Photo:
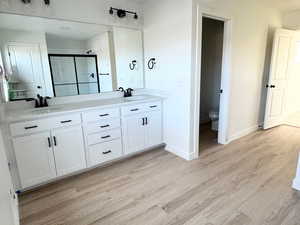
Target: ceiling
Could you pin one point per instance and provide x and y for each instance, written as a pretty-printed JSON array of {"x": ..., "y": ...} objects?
[
  {"x": 64, "y": 29},
  {"x": 284, "y": 5}
]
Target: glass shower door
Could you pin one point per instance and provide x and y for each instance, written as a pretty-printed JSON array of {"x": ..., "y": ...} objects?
[
  {"x": 88, "y": 80},
  {"x": 63, "y": 75}
]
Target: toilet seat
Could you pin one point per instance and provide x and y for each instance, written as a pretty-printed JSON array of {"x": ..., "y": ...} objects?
[{"x": 214, "y": 115}]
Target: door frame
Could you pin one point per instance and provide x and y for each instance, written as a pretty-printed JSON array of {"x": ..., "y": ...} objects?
[{"x": 224, "y": 113}]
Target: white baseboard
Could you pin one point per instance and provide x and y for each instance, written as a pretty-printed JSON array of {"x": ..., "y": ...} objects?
[
  {"x": 296, "y": 184},
  {"x": 242, "y": 133},
  {"x": 185, "y": 155}
]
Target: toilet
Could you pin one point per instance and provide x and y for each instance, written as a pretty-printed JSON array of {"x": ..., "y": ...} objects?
[{"x": 214, "y": 117}]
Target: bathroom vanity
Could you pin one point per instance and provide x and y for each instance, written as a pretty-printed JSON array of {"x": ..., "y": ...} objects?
[{"x": 50, "y": 143}]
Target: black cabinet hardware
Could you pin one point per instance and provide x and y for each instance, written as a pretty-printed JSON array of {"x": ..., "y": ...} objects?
[
  {"x": 49, "y": 142},
  {"x": 55, "y": 142},
  {"x": 221, "y": 91},
  {"x": 32, "y": 127},
  {"x": 143, "y": 122},
  {"x": 105, "y": 153},
  {"x": 105, "y": 126},
  {"x": 134, "y": 110},
  {"x": 66, "y": 121},
  {"x": 153, "y": 106},
  {"x": 270, "y": 86},
  {"x": 104, "y": 137},
  {"x": 146, "y": 120},
  {"x": 102, "y": 115}
]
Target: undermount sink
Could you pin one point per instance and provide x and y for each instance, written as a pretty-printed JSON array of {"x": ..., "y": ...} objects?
[
  {"x": 136, "y": 98},
  {"x": 45, "y": 110}
]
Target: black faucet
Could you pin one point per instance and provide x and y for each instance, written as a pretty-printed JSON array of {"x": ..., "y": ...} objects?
[
  {"x": 41, "y": 101},
  {"x": 127, "y": 92}
]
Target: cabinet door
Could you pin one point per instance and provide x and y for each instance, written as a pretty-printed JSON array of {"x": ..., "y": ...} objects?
[
  {"x": 68, "y": 150},
  {"x": 153, "y": 129},
  {"x": 133, "y": 133},
  {"x": 35, "y": 160}
]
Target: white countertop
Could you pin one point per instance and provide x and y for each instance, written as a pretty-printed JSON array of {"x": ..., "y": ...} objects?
[{"x": 54, "y": 110}]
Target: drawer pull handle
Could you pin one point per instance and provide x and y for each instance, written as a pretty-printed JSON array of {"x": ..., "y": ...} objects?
[
  {"x": 134, "y": 110},
  {"x": 108, "y": 136},
  {"x": 32, "y": 127},
  {"x": 66, "y": 121},
  {"x": 102, "y": 115},
  {"x": 153, "y": 106},
  {"x": 105, "y": 153},
  {"x": 104, "y": 126}
]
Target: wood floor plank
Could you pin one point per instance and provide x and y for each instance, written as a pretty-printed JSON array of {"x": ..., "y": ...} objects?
[{"x": 244, "y": 183}]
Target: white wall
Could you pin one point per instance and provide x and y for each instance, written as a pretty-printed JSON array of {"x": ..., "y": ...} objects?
[
  {"x": 101, "y": 46},
  {"x": 291, "y": 20},
  {"x": 59, "y": 45},
  {"x": 211, "y": 64},
  {"x": 168, "y": 37},
  {"x": 93, "y": 11},
  {"x": 8, "y": 36}
]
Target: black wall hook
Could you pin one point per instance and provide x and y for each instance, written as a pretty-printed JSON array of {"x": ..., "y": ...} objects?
[
  {"x": 132, "y": 65},
  {"x": 151, "y": 63}
]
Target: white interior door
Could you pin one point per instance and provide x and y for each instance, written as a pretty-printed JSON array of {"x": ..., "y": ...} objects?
[
  {"x": 68, "y": 150},
  {"x": 278, "y": 80},
  {"x": 26, "y": 67}
]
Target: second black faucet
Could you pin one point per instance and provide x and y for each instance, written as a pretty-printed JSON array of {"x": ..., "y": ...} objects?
[{"x": 127, "y": 92}]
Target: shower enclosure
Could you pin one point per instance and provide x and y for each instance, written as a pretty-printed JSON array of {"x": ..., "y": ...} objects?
[{"x": 74, "y": 74}]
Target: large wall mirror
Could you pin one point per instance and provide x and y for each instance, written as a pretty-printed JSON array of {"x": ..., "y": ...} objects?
[{"x": 61, "y": 58}]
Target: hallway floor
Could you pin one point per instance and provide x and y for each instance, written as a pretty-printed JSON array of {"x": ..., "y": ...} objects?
[{"x": 247, "y": 182}]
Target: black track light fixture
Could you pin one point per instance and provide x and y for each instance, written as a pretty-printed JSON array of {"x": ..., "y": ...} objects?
[
  {"x": 26, "y": 1},
  {"x": 121, "y": 13}
]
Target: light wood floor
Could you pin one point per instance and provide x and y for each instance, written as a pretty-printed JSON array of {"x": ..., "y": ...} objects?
[{"x": 246, "y": 182}]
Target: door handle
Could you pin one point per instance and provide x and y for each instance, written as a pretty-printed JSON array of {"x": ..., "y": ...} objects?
[
  {"x": 146, "y": 120},
  {"x": 272, "y": 86},
  {"x": 143, "y": 122},
  {"x": 104, "y": 126}
]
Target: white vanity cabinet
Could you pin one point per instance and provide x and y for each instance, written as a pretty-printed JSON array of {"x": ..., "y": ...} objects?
[
  {"x": 68, "y": 149},
  {"x": 35, "y": 159},
  {"x": 54, "y": 147},
  {"x": 49, "y": 148},
  {"x": 103, "y": 135},
  {"x": 142, "y": 126}
]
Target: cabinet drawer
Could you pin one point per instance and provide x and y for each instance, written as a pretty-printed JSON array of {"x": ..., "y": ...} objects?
[
  {"x": 153, "y": 106},
  {"x": 104, "y": 136},
  {"x": 29, "y": 127},
  {"x": 134, "y": 109},
  {"x": 104, "y": 152},
  {"x": 100, "y": 114},
  {"x": 66, "y": 120},
  {"x": 145, "y": 107},
  {"x": 102, "y": 125}
]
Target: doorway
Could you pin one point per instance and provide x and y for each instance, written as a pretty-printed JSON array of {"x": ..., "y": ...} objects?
[{"x": 211, "y": 76}]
